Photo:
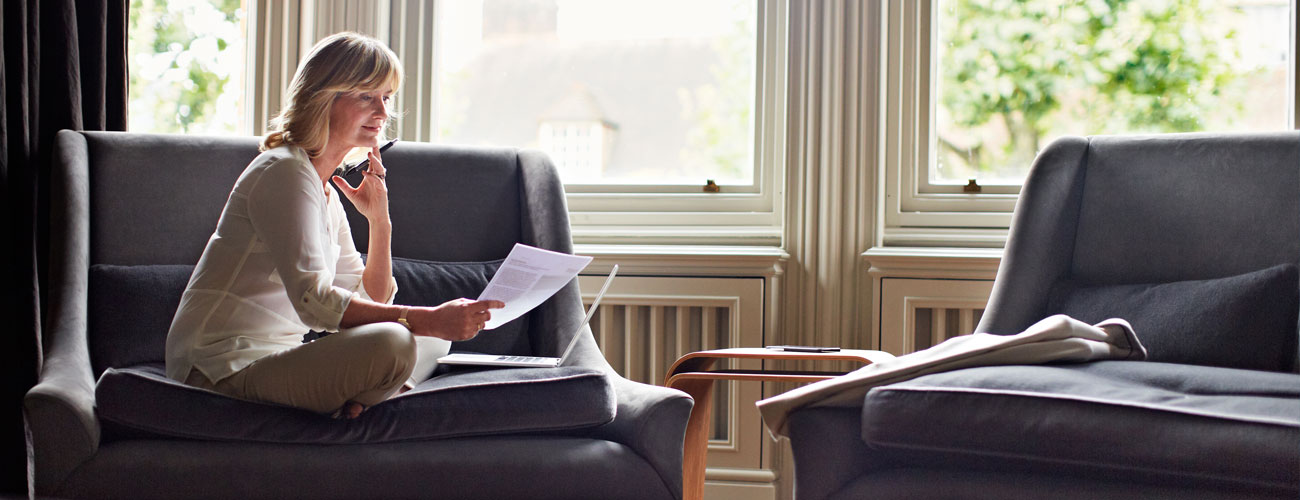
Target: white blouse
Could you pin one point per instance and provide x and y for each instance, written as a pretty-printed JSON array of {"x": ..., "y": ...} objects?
[{"x": 280, "y": 263}]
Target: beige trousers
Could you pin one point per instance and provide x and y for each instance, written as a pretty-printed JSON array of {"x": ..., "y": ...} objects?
[{"x": 365, "y": 364}]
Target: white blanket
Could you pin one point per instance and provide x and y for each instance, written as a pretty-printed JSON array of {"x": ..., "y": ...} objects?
[{"x": 1055, "y": 339}]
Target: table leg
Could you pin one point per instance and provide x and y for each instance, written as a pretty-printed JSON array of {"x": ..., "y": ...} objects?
[{"x": 696, "y": 445}]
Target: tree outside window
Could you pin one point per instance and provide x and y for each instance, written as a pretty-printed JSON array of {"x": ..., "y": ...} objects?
[
  {"x": 186, "y": 65},
  {"x": 1015, "y": 74}
]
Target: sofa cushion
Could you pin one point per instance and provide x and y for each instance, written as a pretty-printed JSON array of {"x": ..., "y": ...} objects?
[
  {"x": 1245, "y": 321},
  {"x": 1142, "y": 417},
  {"x": 131, "y": 307},
  {"x": 130, "y": 311},
  {"x": 142, "y": 401},
  {"x": 425, "y": 283}
]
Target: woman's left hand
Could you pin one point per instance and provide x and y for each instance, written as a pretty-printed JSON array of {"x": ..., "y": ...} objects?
[{"x": 371, "y": 196}]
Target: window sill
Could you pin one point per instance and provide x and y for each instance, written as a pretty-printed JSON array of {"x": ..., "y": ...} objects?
[
  {"x": 738, "y": 236},
  {"x": 685, "y": 260},
  {"x": 969, "y": 238},
  {"x": 933, "y": 262}
]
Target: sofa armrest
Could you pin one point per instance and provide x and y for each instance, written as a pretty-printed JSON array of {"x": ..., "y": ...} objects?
[
  {"x": 1040, "y": 247},
  {"x": 60, "y": 409},
  {"x": 60, "y": 415},
  {"x": 652, "y": 421},
  {"x": 829, "y": 453}
]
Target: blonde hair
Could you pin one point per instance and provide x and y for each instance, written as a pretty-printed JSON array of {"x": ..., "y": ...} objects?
[{"x": 339, "y": 63}]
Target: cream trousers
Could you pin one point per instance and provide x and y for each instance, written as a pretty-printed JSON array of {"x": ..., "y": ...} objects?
[{"x": 365, "y": 364}]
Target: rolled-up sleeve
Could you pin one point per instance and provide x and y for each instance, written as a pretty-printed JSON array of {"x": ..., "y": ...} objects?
[{"x": 286, "y": 208}]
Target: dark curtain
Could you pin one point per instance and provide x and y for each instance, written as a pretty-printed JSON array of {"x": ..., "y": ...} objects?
[{"x": 64, "y": 68}]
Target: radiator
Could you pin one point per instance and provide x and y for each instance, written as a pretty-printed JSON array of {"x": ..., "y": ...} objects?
[
  {"x": 644, "y": 324},
  {"x": 641, "y": 342},
  {"x": 918, "y": 313},
  {"x": 933, "y": 325}
]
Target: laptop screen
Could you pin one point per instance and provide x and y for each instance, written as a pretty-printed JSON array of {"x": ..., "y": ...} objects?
[{"x": 591, "y": 311}]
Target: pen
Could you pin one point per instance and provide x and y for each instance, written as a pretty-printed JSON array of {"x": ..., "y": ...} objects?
[
  {"x": 361, "y": 166},
  {"x": 802, "y": 348}
]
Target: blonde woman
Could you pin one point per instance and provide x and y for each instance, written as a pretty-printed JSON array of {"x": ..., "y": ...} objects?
[{"x": 282, "y": 262}]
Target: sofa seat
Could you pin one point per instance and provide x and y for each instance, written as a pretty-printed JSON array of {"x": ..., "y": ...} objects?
[
  {"x": 516, "y": 466},
  {"x": 1107, "y": 429},
  {"x": 458, "y": 403},
  {"x": 1126, "y": 417},
  {"x": 982, "y": 484}
]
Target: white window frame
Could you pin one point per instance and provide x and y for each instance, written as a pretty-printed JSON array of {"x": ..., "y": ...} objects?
[
  {"x": 618, "y": 213},
  {"x": 281, "y": 31},
  {"x": 916, "y": 211}
]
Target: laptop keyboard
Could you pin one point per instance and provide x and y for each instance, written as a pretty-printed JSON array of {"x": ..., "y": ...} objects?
[{"x": 521, "y": 359}]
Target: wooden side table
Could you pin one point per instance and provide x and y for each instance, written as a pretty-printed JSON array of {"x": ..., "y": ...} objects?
[{"x": 694, "y": 375}]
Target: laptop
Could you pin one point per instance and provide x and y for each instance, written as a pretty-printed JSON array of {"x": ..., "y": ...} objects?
[{"x": 531, "y": 361}]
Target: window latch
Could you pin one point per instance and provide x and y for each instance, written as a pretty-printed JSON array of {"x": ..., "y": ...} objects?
[
  {"x": 711, "y": 187},
  {"x": 972, "y": 187}
]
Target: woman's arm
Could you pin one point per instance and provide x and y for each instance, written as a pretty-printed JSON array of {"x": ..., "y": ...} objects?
[
  {"x": 459, "y": 319},
  {"x": 378, "y": 275},
  {"x": 371, "y": 199}
]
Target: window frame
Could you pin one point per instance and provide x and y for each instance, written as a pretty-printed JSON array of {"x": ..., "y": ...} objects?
[
  {"x": 918, "y": 212},
  {"x": 647, "y": 213},
  {"x": 281, "y": 31}
]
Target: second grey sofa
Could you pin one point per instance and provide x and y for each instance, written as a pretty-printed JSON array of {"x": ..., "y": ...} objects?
[{"x": 1192, "y": 238}]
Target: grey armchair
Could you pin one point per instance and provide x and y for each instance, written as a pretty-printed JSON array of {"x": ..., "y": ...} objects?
[
  {"x": 134, "y": 212},
  {"x": 1194, "y": 239}
]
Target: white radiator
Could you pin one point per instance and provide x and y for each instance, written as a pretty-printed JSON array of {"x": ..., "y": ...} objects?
[
  {"x": 933, "y": 325},
  {"x": 645, "y": 323},
  {"x": 918, "y": 313}
]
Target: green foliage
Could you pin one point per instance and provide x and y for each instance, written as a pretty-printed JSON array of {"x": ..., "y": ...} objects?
[
  {"x": 721, "y": 113},
  {"x": 1128, "y": 65},
  {"x": 183, "y": 58}
]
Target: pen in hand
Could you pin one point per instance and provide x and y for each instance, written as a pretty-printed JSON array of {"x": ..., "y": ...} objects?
[{"x": 364, "y": 163}]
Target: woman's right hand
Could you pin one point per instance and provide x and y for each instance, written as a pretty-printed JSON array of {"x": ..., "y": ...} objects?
[{"x": 458, "y": 319}]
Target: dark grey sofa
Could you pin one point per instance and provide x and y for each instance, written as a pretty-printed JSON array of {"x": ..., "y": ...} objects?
[
  {"x": 1193, "y": 238},
  {"x": 133, "y": 214}
]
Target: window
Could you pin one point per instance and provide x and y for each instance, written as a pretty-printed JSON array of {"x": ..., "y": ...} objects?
[
  {"x": 988, "y": 83},
  {"x": 186, "y": 65},
  {"x": 638, "y": 102},
  {"x": 678, "y": 87}
]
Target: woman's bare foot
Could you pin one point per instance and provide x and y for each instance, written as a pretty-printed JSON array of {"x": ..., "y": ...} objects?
[{"x": 350, "y": 410}]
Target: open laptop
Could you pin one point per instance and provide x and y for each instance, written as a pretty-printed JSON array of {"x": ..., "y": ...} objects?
[{"x": 531, "y": 361}]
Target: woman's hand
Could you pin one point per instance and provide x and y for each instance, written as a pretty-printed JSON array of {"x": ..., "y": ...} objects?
[
  {"x": 371, "y": 196},
  {"x": 458, "y": 319}
]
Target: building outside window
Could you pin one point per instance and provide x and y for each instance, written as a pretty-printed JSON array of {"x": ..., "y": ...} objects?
[{"x": 679, "y": 89}]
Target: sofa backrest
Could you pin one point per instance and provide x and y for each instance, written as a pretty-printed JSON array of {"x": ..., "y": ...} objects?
[
  {"x": 154, "y": 201},
  {"x": 1187, "y": 207},
  {"x": 1182, "y": 234}
]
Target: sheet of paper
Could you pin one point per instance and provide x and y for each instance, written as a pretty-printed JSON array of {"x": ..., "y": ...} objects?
[{"x": 527, "y": 278}]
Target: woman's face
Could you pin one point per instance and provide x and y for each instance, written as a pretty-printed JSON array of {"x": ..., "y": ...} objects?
[{"x": 358, "y": 117}]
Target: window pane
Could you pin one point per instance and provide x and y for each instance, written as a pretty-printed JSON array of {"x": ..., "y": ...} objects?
[
  {"x": 186, "y": 61},
  {"x": 616, "y": 91},
  {"x": 1014, "y": 75}
]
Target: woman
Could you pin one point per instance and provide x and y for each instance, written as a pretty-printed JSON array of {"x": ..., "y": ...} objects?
[{"x": 282, "y": 262}]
